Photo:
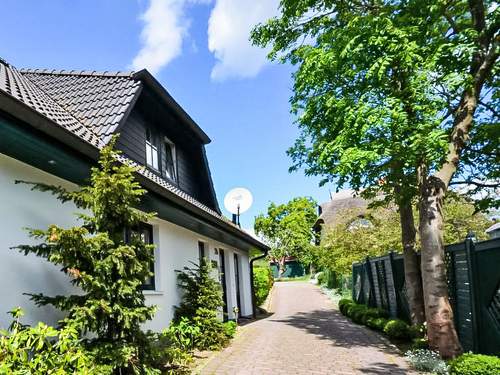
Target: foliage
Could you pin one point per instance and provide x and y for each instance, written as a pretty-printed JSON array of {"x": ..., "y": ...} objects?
[
  {"x": 184, "y": 334},
  {"x": 376, "y": 86},
  {"x": 461, "y": 218},
  {"x": 344, "y": 303},
  {"x": 397, "y": 329},
  {"x": 108, "y": 270},
  {"x": 262, "y": 282},
  {"x": 167, "y": 354},
  {"x": 427, "y": 361},
  {"x": 44, "y": 350},
  {"x": 201, "y": 304},
  {"x": 474, "y": 364},
  {"x": 287, "y": 228},
  {"x": 230, "y": 328},
  {"x": 341, "y": 246},
  {"x": 377, "y": 323},
  {"x": 420, "y": 343}
]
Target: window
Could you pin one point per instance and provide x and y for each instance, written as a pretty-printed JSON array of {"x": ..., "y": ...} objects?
[
  {"x": 201, "y": 250},
  {"x": 145, "y": 233},
  {"x": 151, "y": 151},
  {"x": 170, "y": 160}
]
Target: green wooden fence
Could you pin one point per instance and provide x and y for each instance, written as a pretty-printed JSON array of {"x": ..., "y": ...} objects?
[{"x": 473, "y": 273}]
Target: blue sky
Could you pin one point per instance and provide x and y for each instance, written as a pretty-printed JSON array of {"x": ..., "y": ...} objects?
[{"x": 199, "y": 50}]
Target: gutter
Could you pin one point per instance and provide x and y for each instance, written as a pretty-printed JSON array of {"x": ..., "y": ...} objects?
[{"x": 254, "y": 308}]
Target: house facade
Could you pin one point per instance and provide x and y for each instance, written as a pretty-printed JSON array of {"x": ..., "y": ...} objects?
[{"x": 52, "y": 126}]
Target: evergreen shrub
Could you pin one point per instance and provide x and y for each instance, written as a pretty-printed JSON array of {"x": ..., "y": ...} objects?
[{"x": 397, "y": 329}]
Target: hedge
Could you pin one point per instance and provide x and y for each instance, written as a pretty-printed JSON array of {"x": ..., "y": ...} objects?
[{"x": 263, "y": 282}]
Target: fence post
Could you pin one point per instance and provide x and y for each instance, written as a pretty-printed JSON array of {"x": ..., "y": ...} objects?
[
  {"x": 391, "y": 262},
  {"x": 368, "y": 270},
  {"x": 471, "y": 268}
]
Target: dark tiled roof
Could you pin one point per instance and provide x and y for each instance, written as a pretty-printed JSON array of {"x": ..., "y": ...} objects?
[
  {"x": 98, "y": 99},
  {"x": 16, "y": 85},
  {"x": 87, "y": 103}
]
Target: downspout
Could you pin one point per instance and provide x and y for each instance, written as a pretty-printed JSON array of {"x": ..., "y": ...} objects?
[{"x": 254, "y": 308}]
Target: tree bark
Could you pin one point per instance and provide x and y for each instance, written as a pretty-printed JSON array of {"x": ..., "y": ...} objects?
[
  {"x": 281, "y": 267},
  {"x": 413, "y": 280},
  {"x": 440, "y": 325}
]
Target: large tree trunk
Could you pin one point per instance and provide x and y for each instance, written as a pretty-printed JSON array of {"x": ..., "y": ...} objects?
[
  {"x": 413, "y": 279},
  {"x": 440, "y": 328},
  {"x": 440, "y": 325}
]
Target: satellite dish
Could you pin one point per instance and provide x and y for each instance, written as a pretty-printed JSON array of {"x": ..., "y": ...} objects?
[{"x": 238, "y": 200}]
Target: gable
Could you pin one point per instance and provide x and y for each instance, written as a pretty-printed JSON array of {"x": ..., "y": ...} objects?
[{"x": 172, "y": 142}]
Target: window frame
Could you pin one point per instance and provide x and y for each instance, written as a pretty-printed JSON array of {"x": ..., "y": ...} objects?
[
  {"x": 173, "y": 155},
  {"x": 150, "y": 149}
]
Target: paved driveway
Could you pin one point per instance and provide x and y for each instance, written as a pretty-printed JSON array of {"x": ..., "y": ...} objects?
[{"x": 306, "y": 335}]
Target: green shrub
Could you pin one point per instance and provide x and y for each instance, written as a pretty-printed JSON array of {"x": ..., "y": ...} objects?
[
  {"x": 344, "y": 303},
  {"x": 474, "y": 364},
  {"x": 185, "y": 334},
  {"x": 263, "y": 282},
  {"x": 358, "y": 314},
  {"x": 43, "y": 349},
  {"x": 420, "y": 343},
  {"x": 230, "y": 329},
  {"x": 376, "y": 323},
  {"x": 397, "y": 329},
  {"x": 372, "y": 313},
  {"x": 321, "y": 276},
  {"x": 164, "y": 353}
]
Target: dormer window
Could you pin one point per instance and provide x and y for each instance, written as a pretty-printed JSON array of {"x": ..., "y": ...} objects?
[
  {"x": 170, "y": 160},
  {"x": 151, "y": 151}
]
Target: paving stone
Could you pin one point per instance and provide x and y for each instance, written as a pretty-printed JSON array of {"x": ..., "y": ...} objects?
[{"x": 306, "y": 335}]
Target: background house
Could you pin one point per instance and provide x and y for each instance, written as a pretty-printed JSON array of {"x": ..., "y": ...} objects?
[{"x": 52, "y": 126}]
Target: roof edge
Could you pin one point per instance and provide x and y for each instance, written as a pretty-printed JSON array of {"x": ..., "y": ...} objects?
[
  {"x": 86, "y": 73},
  {"x": 148, "y": 79}
]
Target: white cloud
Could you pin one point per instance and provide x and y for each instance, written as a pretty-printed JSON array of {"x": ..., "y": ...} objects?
[
  {"x": 164, "y": 29},
  {"x": 228, "y": 32}
]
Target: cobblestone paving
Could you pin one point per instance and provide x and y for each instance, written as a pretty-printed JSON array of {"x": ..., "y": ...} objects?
[{"x": 306, "y": 335}]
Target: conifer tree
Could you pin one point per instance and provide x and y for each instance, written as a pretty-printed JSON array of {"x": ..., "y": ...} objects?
[{"x": 108, "y": 269}]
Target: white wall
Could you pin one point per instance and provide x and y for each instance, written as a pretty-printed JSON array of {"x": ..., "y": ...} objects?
[{"x": 20, "y": 207}]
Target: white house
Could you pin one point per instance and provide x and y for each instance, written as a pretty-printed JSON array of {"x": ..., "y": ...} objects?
[{"x": 52, "y": 125}]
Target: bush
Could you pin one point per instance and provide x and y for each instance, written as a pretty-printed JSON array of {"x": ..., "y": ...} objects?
[
  {"x": 321, "y": 277},
  {"x": 184, "y": 334},
  {"x": 474, "y": 364},
  {"x": 357, "y": 312},
  {"x": 230, "y": 329},
  {"x": 200, "y": 305},
  {"x": 427, "y": 361},
  {"x": 44, "y": 350},
  {"x": 262, "y": 282},
  {"x": 397, "y": 329},
  {"x": 166, "y": 354},
  {"x": 376, "y": 323},
  {"x": 344, "y": 303},
  {"x": 420, "y": 343},
  {"x": 372, "y": 313}
]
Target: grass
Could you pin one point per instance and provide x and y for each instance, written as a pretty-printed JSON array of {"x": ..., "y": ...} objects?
[{"x": 301, "y": 278}]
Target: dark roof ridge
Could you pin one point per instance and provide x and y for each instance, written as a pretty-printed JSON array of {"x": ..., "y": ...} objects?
[{"x": 85, "y": 73}]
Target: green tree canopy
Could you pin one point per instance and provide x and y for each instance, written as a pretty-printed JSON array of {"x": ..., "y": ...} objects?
[{"x": 287, "y": 228}]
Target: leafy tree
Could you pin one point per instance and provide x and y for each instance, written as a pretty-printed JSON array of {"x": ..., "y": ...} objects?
[
  {"x": 108, "y": 270},
  {"x": 287, "y": 228},
  {"x": 386, "y": 94},
  {"x": 348, "y": 242}
]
